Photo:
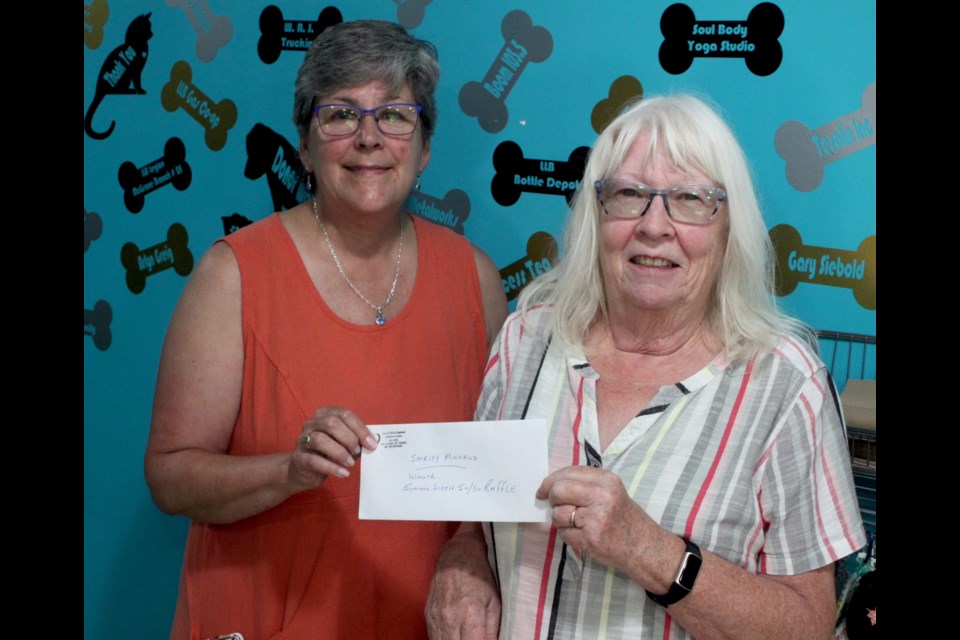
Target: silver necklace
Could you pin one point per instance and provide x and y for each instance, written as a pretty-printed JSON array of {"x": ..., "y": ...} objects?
[{"x": 379, "y": 318}]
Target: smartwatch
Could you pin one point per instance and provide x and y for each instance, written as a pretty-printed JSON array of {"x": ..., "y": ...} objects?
[{"x": 686, "y": 576}]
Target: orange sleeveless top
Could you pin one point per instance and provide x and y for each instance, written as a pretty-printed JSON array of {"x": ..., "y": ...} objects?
[{"x": 309, "y": 568}]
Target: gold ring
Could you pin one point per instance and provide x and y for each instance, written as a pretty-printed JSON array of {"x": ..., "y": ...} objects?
[
  {"x": 573, "y": 518},
  {"x": 305, "y": 439}
]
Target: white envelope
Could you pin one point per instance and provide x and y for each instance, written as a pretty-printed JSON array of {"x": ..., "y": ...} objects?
[{"x": 456, "y": 471}]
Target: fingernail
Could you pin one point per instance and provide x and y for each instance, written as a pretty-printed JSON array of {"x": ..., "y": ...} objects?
[
  {"x": 371, "y": 442},
  {"x": 356, "y": 450},
  {"x": 343, "y": 473},
  {"x": 350, "y": 462}
]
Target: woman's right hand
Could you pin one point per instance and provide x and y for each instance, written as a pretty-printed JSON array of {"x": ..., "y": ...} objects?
[
  {"x": 463, "y": 603},
  {"x": 328, "y": 445}
]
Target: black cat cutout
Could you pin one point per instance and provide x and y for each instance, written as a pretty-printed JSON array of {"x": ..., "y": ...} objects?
[{"x": 121, "y": 71}]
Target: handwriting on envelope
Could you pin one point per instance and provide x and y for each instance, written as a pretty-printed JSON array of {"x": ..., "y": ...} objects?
[{"x": 457, "y": 471}]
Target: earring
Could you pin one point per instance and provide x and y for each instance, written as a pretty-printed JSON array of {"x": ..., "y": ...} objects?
[
  {"x": 418, "y": 182},
  {"x": 309, "y": 183}
]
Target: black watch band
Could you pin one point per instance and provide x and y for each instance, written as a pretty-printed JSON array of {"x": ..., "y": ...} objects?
[{"x": 686, "y": 576}]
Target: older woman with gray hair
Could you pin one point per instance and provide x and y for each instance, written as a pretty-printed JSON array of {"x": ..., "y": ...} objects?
[
  {"x": 700, "y": 484},
  {"x": 293, "y": 335}
]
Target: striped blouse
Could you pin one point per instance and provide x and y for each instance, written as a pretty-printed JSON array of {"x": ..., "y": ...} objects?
[{"x": 747, "y": 459}]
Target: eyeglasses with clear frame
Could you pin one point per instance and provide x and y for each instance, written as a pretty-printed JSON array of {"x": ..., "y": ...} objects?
[
  {"x": 686, "y": 203},
  {"x": 397, "y": 119}
]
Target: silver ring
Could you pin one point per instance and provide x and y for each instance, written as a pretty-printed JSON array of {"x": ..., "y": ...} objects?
[
  {"x": 573, "y": 518},
  {"x": 305, "y": 439}
]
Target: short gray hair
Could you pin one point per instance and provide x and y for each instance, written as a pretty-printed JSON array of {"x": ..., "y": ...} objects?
[
  {"x": 354, "y": 53},
  {"x": 743, "y": 310}
]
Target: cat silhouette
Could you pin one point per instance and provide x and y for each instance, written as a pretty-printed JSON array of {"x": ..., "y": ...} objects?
[{"x": 120, "y": 72}]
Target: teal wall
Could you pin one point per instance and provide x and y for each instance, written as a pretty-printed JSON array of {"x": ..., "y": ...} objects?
[{"x": 158, "y": 188}]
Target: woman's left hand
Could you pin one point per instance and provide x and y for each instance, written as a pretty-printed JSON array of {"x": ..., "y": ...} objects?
[{"x": 596, "y": 516}]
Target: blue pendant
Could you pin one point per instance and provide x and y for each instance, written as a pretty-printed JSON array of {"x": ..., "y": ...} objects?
[{"x": 380, "y": 319}]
